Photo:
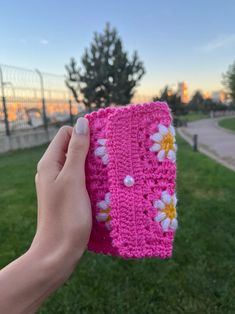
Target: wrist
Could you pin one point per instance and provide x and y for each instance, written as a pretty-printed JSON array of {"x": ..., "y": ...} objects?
[
  {"x": 56, "y": 260},
  {"x": 29, "y": 280}
]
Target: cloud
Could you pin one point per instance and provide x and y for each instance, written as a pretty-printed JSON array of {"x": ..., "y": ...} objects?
[
  {"x": 221, "y": 41},
  {"x": 44, "y": 42}
]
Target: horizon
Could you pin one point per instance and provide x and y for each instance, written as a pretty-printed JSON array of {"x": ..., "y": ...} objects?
[{"x": 177, "y": 43}]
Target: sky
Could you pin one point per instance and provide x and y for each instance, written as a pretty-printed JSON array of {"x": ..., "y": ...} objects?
[{"x": 192, "y": 41}]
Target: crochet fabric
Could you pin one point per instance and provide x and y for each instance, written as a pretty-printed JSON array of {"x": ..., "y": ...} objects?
[{"x": 131, "y": 173}]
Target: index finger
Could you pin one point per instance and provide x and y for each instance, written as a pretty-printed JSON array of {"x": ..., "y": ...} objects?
[{"x": 55, "y": 155}]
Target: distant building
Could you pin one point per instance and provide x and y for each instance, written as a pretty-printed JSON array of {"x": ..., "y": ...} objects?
[
  {"x": 183, "y": 92},
  {"x": 218, "y": 96},
  {"x": 170, "y": 91},
  {"x": 206, "y": 94}
]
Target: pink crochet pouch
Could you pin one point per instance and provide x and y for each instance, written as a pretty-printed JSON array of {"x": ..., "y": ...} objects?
[{"x": 131, "y": 172}]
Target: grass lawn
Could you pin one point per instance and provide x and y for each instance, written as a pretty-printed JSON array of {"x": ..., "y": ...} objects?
[
  {"x": 200, "y": 278},
  {"x": 194, "y": 116},
  {"x": 228, "y": 124}
]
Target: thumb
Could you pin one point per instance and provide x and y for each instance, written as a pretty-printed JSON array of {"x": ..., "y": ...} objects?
[{"x": 77, "y": 149}]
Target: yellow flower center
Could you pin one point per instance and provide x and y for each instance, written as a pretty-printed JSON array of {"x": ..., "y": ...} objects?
[
  {"x": 106, "y": 211},
  {"x": 167, "y": 142},
  {"x": 170, "y": 210}
]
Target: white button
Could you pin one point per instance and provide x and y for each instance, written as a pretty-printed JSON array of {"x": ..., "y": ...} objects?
[{"x": 129, "y": 181}]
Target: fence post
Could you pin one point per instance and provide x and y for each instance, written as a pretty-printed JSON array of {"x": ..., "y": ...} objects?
[
  {"x": 70, "y": 112},
  {"x": 195, "y": 137},
  {"x": 4, "y": 104},
  {"x": 45, "y": 123}
]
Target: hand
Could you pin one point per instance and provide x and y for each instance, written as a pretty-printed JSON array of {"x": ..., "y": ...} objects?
[
  {"x": 64, "y": 213},
  {"x": 63, "y": 226}
]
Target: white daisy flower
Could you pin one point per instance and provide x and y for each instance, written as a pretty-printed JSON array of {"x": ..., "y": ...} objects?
[
  {"x": 103, "y": 215},
  {"x": 164, "y": 143},
  {"x": 101, "y": 151},
  {"x": 167, "y": 214}
]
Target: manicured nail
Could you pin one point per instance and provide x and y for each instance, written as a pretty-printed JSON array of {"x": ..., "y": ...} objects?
[{"x": 81, "y": 126}]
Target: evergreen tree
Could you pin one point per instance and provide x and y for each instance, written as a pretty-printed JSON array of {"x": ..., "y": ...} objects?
[
  {"x": 173, "y": 100},
  {"x": 229, "y": 80},
  {"x": 108, "y": 76},
  {"x": 196, "y": 103}
]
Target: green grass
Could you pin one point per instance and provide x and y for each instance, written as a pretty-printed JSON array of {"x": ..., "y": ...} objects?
[
  {"x": 194, "y": 116},
  {"x": 228, "y": 124},
  {"x": 200, "y": 278}
]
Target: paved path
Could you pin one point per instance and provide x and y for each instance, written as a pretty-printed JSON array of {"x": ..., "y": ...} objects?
[{"x": 213, "y": 141}]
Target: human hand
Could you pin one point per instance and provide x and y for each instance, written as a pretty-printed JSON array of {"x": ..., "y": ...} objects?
[
  {"x": 63, "y": 226},
  {"x": 64, "y": 212}
]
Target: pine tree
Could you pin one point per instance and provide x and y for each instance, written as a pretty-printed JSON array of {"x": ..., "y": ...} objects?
[
  {"x": 108, "y": 76},
  {"x": 229, "y": 80},
  {"x": 197, "y": 101},
  {"x": 172, "y": 99}
]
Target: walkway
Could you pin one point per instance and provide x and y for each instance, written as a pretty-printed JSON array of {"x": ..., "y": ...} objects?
[{"x": 213, "y": 141}]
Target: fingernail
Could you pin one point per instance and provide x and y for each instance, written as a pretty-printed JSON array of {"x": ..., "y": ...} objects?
[{"x": 81, "y": 126}]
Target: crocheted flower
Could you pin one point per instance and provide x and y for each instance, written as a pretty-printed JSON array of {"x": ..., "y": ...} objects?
[
  {"x": 164, "y": 143},
  {"x": 103, "y": 215},
  {"x": 166, "y": 211},
  {"x": 101, "y": 151}
]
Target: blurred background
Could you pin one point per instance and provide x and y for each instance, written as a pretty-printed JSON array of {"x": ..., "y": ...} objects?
[{"x": 59, "y": 61}]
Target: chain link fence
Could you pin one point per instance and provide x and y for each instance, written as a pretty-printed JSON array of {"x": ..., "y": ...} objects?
[{"x": 31, "y": 99}]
